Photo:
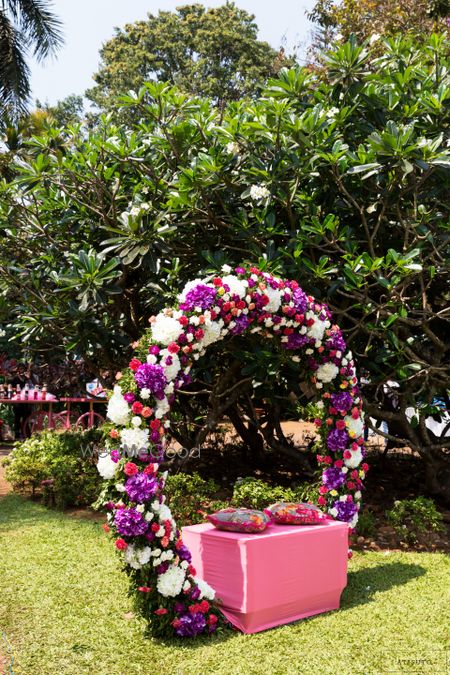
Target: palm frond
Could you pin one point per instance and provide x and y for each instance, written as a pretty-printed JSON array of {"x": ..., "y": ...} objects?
[
  {"x": 14, "y": 71},
  {"x": 38, "y": 23}
]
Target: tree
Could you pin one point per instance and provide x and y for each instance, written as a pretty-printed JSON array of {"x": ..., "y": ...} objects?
[
  {"x": 67, "y": 111},
  {"x": 213, "y": 52},
  {"x": 366, "y": 18},
  {"x": 340, "y": 183},
  {"x": 25, "y": 26}
]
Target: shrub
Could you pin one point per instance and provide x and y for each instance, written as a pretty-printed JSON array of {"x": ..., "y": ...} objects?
[
  {"x": 190, "y": 497},
  {"x": 62, "y": 465},
  {"x": 366, "y": 524},
  {"x": 256, "y": 494},
  {"x": 411, "y": 517}
]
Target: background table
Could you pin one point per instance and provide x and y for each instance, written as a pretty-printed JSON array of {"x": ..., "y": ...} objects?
[
  {"x": 39, "y": 418},
  {"x": 284, "y": 574}
]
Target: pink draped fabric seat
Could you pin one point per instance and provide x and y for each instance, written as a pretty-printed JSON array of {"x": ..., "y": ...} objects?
[{"x": 283, "y": 574}]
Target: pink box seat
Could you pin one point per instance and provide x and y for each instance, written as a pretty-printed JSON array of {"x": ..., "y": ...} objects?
[{"x": 264, "y": 580}]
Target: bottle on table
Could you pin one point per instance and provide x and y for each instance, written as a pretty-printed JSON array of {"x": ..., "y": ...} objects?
[
  {"x": 10, "y": 392},
  {"x": 44, "y": 392},
  {"x": 18, "y": 391},
  {"x": 26, "y": 392},
  {"x": 36, "y": 392},
  {"x": 2, "y": 391}
]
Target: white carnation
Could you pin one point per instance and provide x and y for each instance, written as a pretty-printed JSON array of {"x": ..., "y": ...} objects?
[
  {"x": 165, "y": 329},
  {"x": 327, "y": 372},
  {"x": 171, "y": 371},
  {"x": 170, "y": 584},
  {"x": 355, "y": 427},
  {"x": 274, "y": 296},
  {"x": 211, "y": 333},
  {"x": 145, "y": 393},
  {"x": 134, "y": 439},
  {"x": 355, "y": 460},
  {"x": 205, "y": 589},
  {"x": 137, "y": 557},
  {"x": 317, "y": 330},
  {"x": 106, "y": 467},
  {"x": 237, "y": 287},
  {"x": 118, "y": 409},
  {"x": 162, "y": 407}
]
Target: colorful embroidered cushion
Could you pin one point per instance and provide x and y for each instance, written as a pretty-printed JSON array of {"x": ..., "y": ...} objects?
[
  {"x": 288, "y": 513},
  {"x": 240, "y": 520}
]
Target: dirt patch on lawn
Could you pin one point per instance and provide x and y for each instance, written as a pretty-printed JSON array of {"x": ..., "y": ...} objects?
[{"x": 5, "y": 487}]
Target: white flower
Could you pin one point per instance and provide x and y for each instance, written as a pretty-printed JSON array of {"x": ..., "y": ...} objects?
[
  {"x": 320, "y": 405},
  {"x": 353, "y": 521},
  {"x": 162, "y": 407},
  {"x": 355, "y": 460},
  {"x": 140, "y": 508},
  {"x": 164, "y": 513},
  {"x": 149, "y": 516},
  {"x": 184, "y": 564},
  {"x": 106, "y": 467},
  {"x": 331, "y": 113},
  {"x": 211, "y": 333},
  {"x": 237, "y": 287},
  {"x": 137, "y": 557},
  {"x": 170, "y": 584},
  {"x": 161, "y": 532},
  {"x": 327, "y": 372},
  {"x": 333, "y": 512},
  {"x": 259, "y": 192},
  {"x": 118, "y": 409},
  {"x": 205, "y": 589},
  {"x": 165, "y": 329},
  {"x": 145, "y": 393},
  {"x": 186, "y": 585},
  {"x": 156, "y": 505},
  {"x": 232, "y": 148},
  {"x": 318, "y": 328},
  {"x": 358, "y": 495},
  {"x": 136, "y": 421},
  {"x": 355, "y": 427},
  {"x": 226, "y": 269},
  {"x": 134, "y": 439},
  {"x": 274, "y": 296},
  {"x": 171, "y": 371}
]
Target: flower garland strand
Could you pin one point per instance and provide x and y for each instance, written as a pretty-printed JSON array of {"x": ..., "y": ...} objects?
[{"x": 168, "y": 593}]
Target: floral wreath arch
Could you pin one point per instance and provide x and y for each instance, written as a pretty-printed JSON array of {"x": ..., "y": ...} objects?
[{"x": 167, "y": 591}]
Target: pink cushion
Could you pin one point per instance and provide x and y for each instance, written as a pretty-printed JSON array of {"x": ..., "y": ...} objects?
[
  {"x": 240, "y": 520},
  {"x": 289, "y": 513}
]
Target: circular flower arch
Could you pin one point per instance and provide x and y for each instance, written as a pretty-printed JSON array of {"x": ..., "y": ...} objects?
[{"x": 164, "y": 583}]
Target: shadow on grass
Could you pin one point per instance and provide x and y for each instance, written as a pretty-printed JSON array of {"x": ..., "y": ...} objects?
[{"x": 364, "y": 583}]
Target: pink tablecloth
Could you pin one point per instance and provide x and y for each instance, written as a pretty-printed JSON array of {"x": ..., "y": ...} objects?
[{"x": 284, "y": 574}]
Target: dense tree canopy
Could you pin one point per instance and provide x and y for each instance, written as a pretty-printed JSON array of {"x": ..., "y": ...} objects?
[
  {"x": 212, "y": 52},
  {"x": 341, "y": 183},
  {"x": 368, "y": 18},
  {"x": 26, "y": 26}
]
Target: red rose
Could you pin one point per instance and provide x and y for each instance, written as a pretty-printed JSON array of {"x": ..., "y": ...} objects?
[
  {"x": 176, "y": 623},
  {"x": 130, "y": 469},
  {"x": 147, "y": 411},
  {"x": 114, "y": 433},
  {"x": 217, "y": 281},
  {"x": 199, "y": 334},
  {"x": 204, "y": 606},
  {"x": 212, "y": 620},
  {"x": 155, "y": 527},
  {"x": 161, "y": 611},
  {"x": 121, "y": 544},
  {"x": 340, "y": 424},
  {"x": 137, "y": 407},
  {"x": 347, "y": 454},
  {"x": 150, "y": 469},
  {"x": 322, "y": 501},
  {"x": 183, "y": 320},
  {"x": 173, "y": 348},
  {"x": 154, "y": 425},
  {"x": 192, "y": 571},
  {"x": 144, "y": 589},
  {"x": 134, "y": 364},
  {"x": 106, "y": 527},
  {"x": 365, "y": 467}
]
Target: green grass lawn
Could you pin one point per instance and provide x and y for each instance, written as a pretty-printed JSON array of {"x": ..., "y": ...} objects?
[{"x": 64, "y": 610}]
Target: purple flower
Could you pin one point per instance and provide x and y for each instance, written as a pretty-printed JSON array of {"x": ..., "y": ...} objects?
[
  {"x": 141, "y": 487},
  {"x": 333, "y": 478},
  {"x": 241, "y": 325},
  {"x": 184, "y": 553},
  {"x": 337, "y": 342},
  {"x": 129, "y": 397},
  {"x": 346, "y": 510},
  {"x": 190, "y": 625},
  {"x": 337, "y": 439},
  {"x": 115, "y": 455},
  {"x": 295, "y": 341},
  {"x": 130, "y": 523},
  {"x": 195, "y": 593},
  {"x": 342, "y": 401},
  {"x": 239, "y": 270},
  {"x": 151, "y": 376},
  {"x": 154, "y": 349},
  {"x": 201, "y": 296},
  {"x": 162, "y": 569},
  {"x": 300, "y": 300},
  {"x": 179, "y": 607}
]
